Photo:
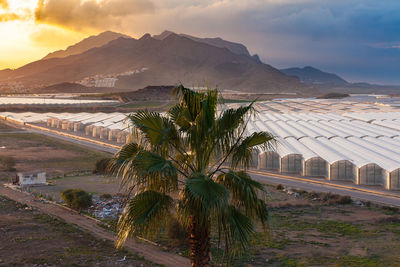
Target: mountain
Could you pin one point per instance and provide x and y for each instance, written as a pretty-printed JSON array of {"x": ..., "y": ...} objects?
[
  {"x": 235, "y": 48},
  {"x": 312, "y": 75},
  {"x": 137, "y": 63},
  {"x": 5, "y": 73},
  {"x": 161, "y": 92},
  {"x": 86, "y": 44}
]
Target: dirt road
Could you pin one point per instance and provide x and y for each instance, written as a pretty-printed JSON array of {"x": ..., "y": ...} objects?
[{"x": 150, "y": 252}]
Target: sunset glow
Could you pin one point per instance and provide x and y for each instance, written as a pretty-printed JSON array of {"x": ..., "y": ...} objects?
[
  {"x": 357, "y": 39},
  {"x": 24, "y": 40}
]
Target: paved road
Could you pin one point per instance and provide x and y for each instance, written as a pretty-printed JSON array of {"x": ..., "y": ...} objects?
[
  {"x": 356, "y": 192},
  {"x": 311, "y": 186}
]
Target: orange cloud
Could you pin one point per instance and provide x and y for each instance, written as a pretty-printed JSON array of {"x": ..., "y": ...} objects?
[
  {"x": 53, "y": 37},
  {"x": 89, "y": 14},
  {"x": 3, "y": 4},
  {"x": 9, "y": 17}
]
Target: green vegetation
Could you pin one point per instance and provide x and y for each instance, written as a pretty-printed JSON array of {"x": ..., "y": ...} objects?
[
  {"x": 183, "y": 154},
  {"x": 101, "y": 166},
  {"x": 328, "y": 198},
  {"x": 105, "y": 196},
  {"x": 77, "y": 199}
]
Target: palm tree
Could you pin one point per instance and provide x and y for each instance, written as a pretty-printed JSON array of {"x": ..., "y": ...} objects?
[{"x": 184, "y": 163}]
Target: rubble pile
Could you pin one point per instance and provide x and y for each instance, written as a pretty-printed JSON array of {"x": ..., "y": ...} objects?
[{"x": 106, "y": 208}]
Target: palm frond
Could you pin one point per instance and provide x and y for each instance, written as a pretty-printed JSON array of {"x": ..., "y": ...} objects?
[
  {"x": 236, "y": 228},
  {"x": 202, "y": 197},
  {"x": 154, "y": 172},
  {"x": 243, "y": 189},
  {"x": 180, "y": 116},
  {"x": 231, "y": 119},
  {"x": 121, "y": 161},
  {"x": 144, "y": 214},
  {"x": 246, "y": 194},
  {"x": 158, "y": 130},
  {"x": 242, "y": 154},
  {"x": 142, "y": 169}
]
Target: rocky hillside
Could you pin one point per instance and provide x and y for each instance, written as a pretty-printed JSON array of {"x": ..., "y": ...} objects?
[
  {"x": 312, "y": 75},
  {"x": 137, "y": 63}
]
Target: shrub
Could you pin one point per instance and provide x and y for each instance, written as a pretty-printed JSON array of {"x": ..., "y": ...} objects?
[
  {"x": 8, "y": 163},
  {"x": 101, "y": 166},
  {"x": 177, "y": 232},
  {"x": 105, "y": 196},
  {"x": 344, "y": 200},
  {"x": 333, "y": 199},
  {"x": 77, "y": 199},
  {"x": 279, "y": 187}
]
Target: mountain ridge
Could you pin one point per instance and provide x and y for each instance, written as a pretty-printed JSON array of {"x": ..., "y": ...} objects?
[
  {"x": 311, "y": 75},
  {"x": 235, "y": 48},
  {"x": 137, "y": 63},
  {"x": 87, "y": 44}
]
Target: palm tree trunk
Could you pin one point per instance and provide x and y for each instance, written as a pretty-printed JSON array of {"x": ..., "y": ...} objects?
[{"x": 200, "y": 244}]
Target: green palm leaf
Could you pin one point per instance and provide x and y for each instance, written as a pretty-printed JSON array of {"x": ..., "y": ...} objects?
[
  {"x": 238, "y": 227},
  {"x": 159, "y": 131},
  {"x": 154, "y": 172},
  {"x": 144, "y": 214},
  {"x": 242, "y": 154},
  {"x": 190, "y": 145},
  {"x": 203, "y": 197}
]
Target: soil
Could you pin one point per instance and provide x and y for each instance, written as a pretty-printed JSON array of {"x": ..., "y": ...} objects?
[
  {"x": 94, "y": 184},
  {"x": 313, "y": 233},
  {"x": 89, "y": 225},
  {"x": 34, "y": 152},
  {"x": 31, "y": 238}
]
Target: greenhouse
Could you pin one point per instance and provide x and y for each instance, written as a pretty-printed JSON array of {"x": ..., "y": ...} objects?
[{"x": 337, "y": 140}]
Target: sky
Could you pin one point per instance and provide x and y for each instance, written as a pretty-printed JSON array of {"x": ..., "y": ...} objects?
[{"x": 357, "y": 39}]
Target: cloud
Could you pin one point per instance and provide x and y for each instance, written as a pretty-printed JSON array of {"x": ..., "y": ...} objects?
[
  {"x": 3, "y": 4},
  {"x": 9, "y": 17},
  {"x": 358, "y": 39},
  {"x": 89, "y": 14},
  {"x": 334, "y": 35},
  {"x": 9, "y": 14},
  {"x": 53, "y": 37}
]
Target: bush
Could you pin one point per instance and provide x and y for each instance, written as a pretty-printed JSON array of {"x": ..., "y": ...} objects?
[
  {"x": 279, "y": 187},
  {"x": 8, "y": 163},
  {"x": 105, "y": 196},
  {"x": 177, "y": 232},
  {"x": 333, "y": 199},
  {"x": 344, "y": 200},
  {"x": 101, "y": 166},
  {"x": 77, "y": 199}
]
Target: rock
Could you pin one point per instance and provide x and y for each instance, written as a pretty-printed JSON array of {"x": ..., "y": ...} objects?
[{"x": 358, "y": 202}]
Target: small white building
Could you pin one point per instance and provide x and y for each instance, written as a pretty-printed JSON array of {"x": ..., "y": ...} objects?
[{"x": 24, "y": 179}]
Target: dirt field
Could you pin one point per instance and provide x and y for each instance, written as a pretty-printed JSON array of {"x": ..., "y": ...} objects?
[
  {"x": 314, "y": 233},
  {"x": 35, "y": 152},
  {"x": 304, "y": 231},
  {"x": 95, "y": 184},
  {"x": 31, "y": 238}
]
